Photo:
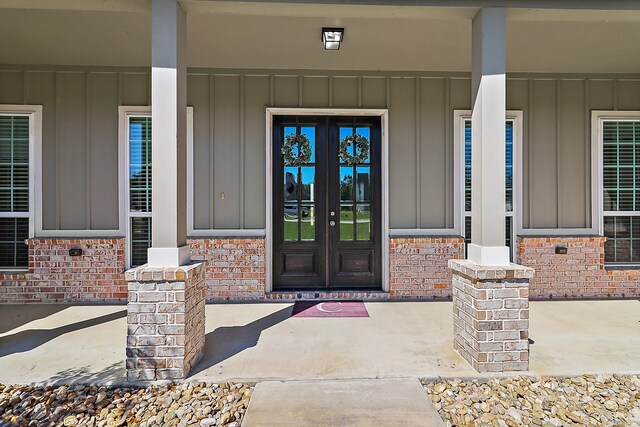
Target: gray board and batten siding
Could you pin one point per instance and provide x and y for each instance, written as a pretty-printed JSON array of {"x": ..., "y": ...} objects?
[{"x": 80, "y": 138}]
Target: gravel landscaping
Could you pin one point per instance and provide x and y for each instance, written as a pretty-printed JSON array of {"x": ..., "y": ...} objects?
[
  {"x": 191, "y": 404},
  {"x": 591, "y": 400}
]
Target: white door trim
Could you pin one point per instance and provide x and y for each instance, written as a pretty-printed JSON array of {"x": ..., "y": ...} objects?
[{"x": 384, "y": 176}]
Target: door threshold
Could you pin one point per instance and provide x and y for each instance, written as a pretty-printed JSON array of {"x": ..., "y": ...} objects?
[{"x": 369, "y": 294}]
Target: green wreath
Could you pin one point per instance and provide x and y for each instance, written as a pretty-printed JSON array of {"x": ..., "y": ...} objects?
[
  {"x": 304, "y": 150},
  {"x": 362, "y": 149}
]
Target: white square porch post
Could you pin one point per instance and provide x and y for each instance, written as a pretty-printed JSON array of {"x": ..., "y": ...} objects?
[
  {"x": 488, "y": 139},
  {"x": 165, "y": 313},
  {"x": 169, "y": 133},
  {"x": 490, "y": 295}
]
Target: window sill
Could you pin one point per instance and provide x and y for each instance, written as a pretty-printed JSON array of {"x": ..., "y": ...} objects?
[
  {"x": 622, "y": 267},
  {"x": 16, "y": 271}
]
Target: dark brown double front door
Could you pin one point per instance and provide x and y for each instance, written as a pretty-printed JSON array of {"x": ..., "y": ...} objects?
[{"x": 326, "y": 202}]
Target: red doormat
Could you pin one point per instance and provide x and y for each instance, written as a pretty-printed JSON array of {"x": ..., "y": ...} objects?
[{"x": 329, "y": 309}]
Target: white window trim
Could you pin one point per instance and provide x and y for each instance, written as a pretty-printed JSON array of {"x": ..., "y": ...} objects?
[
  {"x": 124, "y": 113},
  {"x": 597, "y": 170},
  {"x": 34, "y": 112},
  {"x": 384, "y": 177},
  {"x": 459, "y": 118}
]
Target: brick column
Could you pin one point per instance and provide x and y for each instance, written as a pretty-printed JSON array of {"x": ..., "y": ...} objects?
[
  {"x": 165, "y": 334},
  {"x": 491, "y": 315}
]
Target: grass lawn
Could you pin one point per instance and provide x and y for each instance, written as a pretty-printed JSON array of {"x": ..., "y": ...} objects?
[{"x": 346, "y": 227}]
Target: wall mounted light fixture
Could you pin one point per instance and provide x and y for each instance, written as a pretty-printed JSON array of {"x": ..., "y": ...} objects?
[{"x": 332, "y": 37}]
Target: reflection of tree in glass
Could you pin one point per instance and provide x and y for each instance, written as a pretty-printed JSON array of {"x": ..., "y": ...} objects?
[
  {"x": 306, "y": 191},
  {"x": 345, "y": 187}
]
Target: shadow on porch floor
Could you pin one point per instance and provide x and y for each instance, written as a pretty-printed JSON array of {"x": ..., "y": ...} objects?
[{"x": 252, "y": 342}]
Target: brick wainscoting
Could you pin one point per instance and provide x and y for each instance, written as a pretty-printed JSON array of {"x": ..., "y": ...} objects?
[
  {"x": 578, "y": 274},
  {"x": 54, "y": 276},
  {"x": 235, "y": 268},
  {"x": 418, "y": 266}
]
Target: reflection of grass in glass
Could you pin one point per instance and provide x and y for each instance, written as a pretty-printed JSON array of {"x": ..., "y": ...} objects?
[
  {"x": 308, "y": 231},
  {"x": 348, "y": 215},
  {"x": 290, "y": 230},
  {"x": 362, "y": 228}
]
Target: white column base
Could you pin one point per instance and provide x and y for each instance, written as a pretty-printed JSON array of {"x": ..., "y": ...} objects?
[
  {"x": 497, "y": 256},
  {"x": 168, "y": 257}
]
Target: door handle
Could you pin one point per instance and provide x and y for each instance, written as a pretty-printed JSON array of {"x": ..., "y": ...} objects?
[{"x": 332, "y": 223}]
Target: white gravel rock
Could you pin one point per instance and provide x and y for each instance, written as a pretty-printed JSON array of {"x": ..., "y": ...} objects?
[
  {"x": 588, "y": 400},
  {"x": 169, "y": 405}
]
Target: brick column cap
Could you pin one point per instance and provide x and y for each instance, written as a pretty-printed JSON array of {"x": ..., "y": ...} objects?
[
  {"x": 146, "y": 273},
  {"x": 486, "y": 272}
]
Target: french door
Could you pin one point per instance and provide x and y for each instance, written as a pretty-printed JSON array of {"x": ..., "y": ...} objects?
[{"x": 327, "y": 230}]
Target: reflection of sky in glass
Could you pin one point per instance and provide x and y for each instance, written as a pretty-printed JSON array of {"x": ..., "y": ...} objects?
[
  {"x": 366, "y": 132},
  {"x": 135, "y": 148},
  {"x": 310, "y": 133},
  {"x": 308, "y": 179}
]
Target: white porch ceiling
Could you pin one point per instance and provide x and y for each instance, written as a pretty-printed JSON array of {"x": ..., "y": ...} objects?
[{"x": 263, "y": 35}]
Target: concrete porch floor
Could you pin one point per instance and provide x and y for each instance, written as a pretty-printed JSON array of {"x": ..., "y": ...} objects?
[{"x": 256, "y": 342}]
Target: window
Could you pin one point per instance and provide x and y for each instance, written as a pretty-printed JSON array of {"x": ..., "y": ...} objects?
[
  {"x": 139, "y": 187},
  {"x": 136, "y": 147},
  {"x": 620, "y": 185},
  {"x": 17, "y": 133},
  {"x": 511, "y": 145}
]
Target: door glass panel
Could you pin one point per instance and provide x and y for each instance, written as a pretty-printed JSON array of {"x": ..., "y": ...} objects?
[
  {"x": 346, "y": 222},
  {"x": 307, "y": 222},
  {"x": 310, "y": 133},
  {"x": 363, "y": 225},
  {"x": 290, "y": 184},
  {"x": 346, "y": 183},
  {"x": 366, "y": 132},
  {"x": 308, "y": 182},
  {"x": 291, "y": 130},
  {"x": 290, "y": 225},
  {"x": 345, "y": 132},
  {"x": 363, "y": 182}
]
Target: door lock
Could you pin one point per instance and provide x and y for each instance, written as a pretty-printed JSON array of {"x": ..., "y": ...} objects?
[
  {"x": 332, "y": 223},
  {"x": 332, "y": 213}
]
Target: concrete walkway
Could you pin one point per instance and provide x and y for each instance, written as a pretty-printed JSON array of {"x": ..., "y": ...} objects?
[
  {"x": 400, "y": 402},
  {"x": 257, "y": 342}
]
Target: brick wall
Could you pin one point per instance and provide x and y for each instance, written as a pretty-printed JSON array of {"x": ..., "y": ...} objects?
[
  {"x": 235, "y": 268},
  {"x": 418, "y": 266},
  {"x": 54, "y": 276},
  {"x": 578, "y": 274}
]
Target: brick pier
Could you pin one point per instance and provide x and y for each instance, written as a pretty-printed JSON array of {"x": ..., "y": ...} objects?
[
  {"x": 165, "y": 321},
  {"x": 491, "y": 315}
]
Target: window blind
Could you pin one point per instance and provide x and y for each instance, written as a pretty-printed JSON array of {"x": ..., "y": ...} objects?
[
  {"x": 14, "y": 190},
  {"x": 621, "y": 190}
]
